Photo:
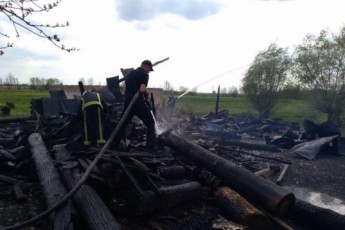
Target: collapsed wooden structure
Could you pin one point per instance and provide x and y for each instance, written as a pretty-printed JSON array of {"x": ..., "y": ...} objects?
[{"x": 203, "y": 164}]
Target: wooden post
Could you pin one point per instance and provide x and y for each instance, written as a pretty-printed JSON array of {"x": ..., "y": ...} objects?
[{"x": 217, "y": 101}]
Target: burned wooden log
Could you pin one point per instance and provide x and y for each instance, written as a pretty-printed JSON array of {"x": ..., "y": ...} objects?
[
  {"x": 264, "y": 172},
  {"x": 282, "y": 174},
  {"x": 53, "y": 188},
  {"x": 258, "y": 155},
  {"x": 256, "y": 189},
  {"x": 17, "y": 189},
  {"x": 239, "y": 210},
  {"x": 18, "y": 151},
  {"x": 7, "y": 141},
  {"x": 265, "y": 147},
  {"x": 96, "y": 214},
  {"x": 8, "y": 155},
  {"x": 11, "y": 120},
  {"x": 172, "y": 172},
  {"x": 168, "y": 197}
]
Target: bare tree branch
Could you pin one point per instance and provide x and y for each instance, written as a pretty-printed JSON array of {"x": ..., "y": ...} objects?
[{"x": 17, "y": 13}]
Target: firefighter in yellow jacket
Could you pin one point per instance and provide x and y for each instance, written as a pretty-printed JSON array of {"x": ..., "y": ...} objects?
[{"x": 92, "y": 113}]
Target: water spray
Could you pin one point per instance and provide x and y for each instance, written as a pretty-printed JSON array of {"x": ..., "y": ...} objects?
[{"x": 211, "y": 79}]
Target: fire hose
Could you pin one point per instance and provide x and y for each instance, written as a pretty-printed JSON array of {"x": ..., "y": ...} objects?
[{"x": 84, "y": 177}]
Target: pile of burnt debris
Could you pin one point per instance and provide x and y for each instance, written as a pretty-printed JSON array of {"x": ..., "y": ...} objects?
[{"x": 211, "y": 172}]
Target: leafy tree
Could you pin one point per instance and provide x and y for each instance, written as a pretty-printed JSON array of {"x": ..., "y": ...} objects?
[
  {"x": 42, "y": 83},
  {"x": 233, "y": 91},
  {"x": 17, "y": 13},
  {"x": 292, "y": 90},
  {"x": 51, "y": 82},
  {"x": 36, "y": 82},
  {"x": 265, "y": 77},
  {"x": 319, "y": 64}
]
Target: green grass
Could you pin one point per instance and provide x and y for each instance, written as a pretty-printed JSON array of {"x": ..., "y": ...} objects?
[
  {"x": 287, "y": 109},
  {"x": 21, "y": 100},
  {"x": 297, "y": 110},
  {"x": 203, "y": 104}
]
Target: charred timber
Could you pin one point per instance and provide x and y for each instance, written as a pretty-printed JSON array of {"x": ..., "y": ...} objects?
[
  {"x": 236, "y": 208},
  {"x": 11, "y": 120},
  {"x": 94, "y": 211},
  {"x": 254, "y": 188},
  {"x": 172, "y": 172},
  {"x": 17, "y": 189},
  {"x": 8, "y": 155},
  {"x": 53, "y": 187},
  {"x": 265, "y": 147},
  {"x": 168, "y": 197},
  {"x": 7, "y": 141},
  {"x": 13, "y": 154}
]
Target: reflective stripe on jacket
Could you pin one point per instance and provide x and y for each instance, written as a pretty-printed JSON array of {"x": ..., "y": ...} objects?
[{"x": 91, "y": 98}]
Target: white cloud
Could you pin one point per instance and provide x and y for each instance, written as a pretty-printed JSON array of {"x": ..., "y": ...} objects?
[{"x": 147, "y": 10}]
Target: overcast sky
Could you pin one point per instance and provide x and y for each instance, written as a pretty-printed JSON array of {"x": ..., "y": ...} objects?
[{"x": 204, "y": 39}]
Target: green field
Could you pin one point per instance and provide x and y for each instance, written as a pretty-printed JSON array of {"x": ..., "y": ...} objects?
[
  {"x": 21, "y": 100},
  {"x": 289, "y": 110}
]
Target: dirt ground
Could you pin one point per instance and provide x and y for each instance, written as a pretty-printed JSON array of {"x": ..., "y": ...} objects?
[{"x": 320, "y": 181}]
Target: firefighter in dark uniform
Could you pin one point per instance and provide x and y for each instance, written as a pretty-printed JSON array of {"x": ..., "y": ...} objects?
[
  {"x": 137, "y": 80},
  {"x": 91, "y": 108}
]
